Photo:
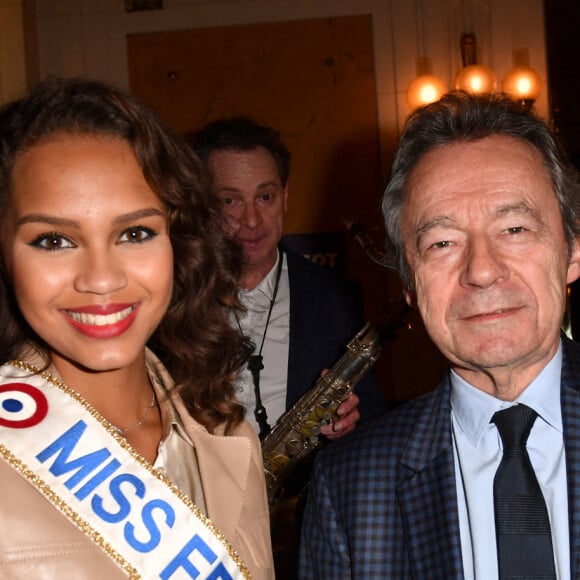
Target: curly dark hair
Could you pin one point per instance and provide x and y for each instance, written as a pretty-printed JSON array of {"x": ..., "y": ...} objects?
[
  {"x": 241, "y": 134},
  {"x": 201, "y": 348},
  {"x": 463, "y": 117}
]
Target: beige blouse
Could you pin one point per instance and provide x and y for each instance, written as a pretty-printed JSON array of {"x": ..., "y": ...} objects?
[{"x": 176, "y": 456}]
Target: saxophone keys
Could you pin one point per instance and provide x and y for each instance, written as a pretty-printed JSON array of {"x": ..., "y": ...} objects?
[
  {"x": 277, "y": 462},
  {"x": 310, "y": 429},
  {"x": 324, "y": 410},
  {"x": 293, "y": 447}
]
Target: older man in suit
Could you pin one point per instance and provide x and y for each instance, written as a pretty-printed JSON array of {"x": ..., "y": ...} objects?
[{"x": 479, "y": 478}]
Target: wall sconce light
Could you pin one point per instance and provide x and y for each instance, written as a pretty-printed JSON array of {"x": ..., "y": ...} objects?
[
  {"x": 522, "y": 83},
  {"x": 426, "y": 88},
  {"x": 473, "y": 77}
]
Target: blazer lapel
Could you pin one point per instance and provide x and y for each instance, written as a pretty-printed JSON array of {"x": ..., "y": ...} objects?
[
  {"x": 230, "y": 458},
  {"x": 304, "y": 299},
  {"x": 570, "y": 397},
  {"x": 428, "y": 496}
]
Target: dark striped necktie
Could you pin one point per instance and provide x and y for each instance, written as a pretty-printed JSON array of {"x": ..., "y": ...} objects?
[{"x": 524, "y": 540}]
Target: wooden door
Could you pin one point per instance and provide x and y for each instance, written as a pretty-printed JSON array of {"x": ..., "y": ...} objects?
[{"x": 313, "y": 80}]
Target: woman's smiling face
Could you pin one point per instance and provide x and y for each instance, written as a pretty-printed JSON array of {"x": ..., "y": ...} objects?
[{"x": 88, "y": 251}]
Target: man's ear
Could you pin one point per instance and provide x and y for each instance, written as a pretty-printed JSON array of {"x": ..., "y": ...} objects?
[
  {"x": 285, "y": 192},
  {"x": 409, "y": 297},
  {"x": 574, "y": 262}
]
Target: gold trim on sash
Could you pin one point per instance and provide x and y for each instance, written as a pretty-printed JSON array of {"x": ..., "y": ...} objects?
[
  {"x": 55, "y": 500},
  {"x": 77, "y": 519}
]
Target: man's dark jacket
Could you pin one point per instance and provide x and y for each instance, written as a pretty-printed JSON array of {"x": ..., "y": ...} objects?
[
  {"x": 326, "y": 311},
  {"x": 383, "y": 501}
]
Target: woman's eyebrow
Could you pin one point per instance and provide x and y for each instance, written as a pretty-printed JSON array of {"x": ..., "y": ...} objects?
[
  {"x": 31, "y": 218},
  {"x": 66, "y": 222}
]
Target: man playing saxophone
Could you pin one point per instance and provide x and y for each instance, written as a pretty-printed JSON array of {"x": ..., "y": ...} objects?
[{"x": 300, "y": 316}]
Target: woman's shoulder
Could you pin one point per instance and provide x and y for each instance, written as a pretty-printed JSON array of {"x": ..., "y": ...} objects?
[
  {"x": 245, "y": 429},
  {"x": 164, "y": 379}
]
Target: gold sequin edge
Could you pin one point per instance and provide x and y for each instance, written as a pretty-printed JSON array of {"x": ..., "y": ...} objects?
[
  {"x": 133, "y": 575},
  {"x": 95, "y": 536}
]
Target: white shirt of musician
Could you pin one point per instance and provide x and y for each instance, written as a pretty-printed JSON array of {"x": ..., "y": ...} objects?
[{"x": 274, "y": 375}]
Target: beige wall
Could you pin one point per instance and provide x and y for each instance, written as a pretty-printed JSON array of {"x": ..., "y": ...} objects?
[{"x": 88, "y": 37}]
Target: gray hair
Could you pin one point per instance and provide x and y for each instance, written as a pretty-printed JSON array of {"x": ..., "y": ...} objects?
[{"x": 463, "y": 117}]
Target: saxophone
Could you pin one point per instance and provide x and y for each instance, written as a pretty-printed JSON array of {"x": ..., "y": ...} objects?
[{"x": 296, "y": 435}]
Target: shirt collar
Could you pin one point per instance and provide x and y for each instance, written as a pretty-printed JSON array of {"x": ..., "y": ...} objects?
[
  {"x": 170, "y": 419},
  {"x": 473, "y": 409},
  {"x": 266, "y": 286}
]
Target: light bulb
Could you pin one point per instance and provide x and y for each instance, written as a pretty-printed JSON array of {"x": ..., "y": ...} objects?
[
  {"x": 476, "y": 78},
  {"x": 423, "y": 90},
  {"x": 522, "y": 83}
]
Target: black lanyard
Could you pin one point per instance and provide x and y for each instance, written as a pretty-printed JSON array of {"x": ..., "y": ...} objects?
[{"x": 255, "y": 362}]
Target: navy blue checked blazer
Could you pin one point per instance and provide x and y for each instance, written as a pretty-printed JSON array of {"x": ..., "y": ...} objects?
[
  {"x": 383, "y": 501},
  {"x": 326, "y": 311}
]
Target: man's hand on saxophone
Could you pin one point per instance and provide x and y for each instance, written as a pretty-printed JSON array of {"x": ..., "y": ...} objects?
[{"x": 348, "y": 416}]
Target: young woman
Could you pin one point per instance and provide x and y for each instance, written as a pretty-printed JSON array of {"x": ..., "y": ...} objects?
[{"x": 111, "y": 464}]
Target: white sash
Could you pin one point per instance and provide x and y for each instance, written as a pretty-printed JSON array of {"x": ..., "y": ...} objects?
[{"x": 63, "y": 447}]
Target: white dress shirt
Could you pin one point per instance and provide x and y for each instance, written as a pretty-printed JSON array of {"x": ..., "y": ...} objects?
[
  {"x": 478, "y": 452},
  {"x": 274, "y": 375}
]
